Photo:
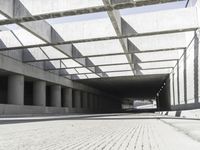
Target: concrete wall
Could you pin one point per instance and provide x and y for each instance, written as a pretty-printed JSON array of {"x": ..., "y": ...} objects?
[
  {"x": 163, "y": 99},
  {"x": 184, "y": 79}
]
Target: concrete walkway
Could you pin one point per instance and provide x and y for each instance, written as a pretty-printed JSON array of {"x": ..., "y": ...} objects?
[{"x": 119, "y": 131}]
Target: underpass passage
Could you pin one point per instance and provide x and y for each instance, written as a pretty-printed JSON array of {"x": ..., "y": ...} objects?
[
  {"x": 111, "y": 131},
  {"x": 132, "y": 88}
]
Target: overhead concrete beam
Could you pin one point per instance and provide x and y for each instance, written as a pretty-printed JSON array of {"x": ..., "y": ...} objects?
[
  {"x": 115, "y": 18},
  {"x": 102, "y": 38},
  {"x": 114, "y": 64},
  {"x": 116, "y": 5},
  {"x": 131, "y": 51},
  {"x": 40, "y": 28},
  {"x": 140, "y": 69}
]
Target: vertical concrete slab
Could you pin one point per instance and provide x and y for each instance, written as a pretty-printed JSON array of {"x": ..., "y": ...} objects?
[
  {"x": 39, "y": 93},
  {"x": 91, "y": 103},
  {"x": 55, "y": 95},
  {"x": 77, "y": 99},
  {"x": 67, "y": 97},
  {"x": 95, "y": 103},
  {"x": 85, "y": 100},
  {"x": 16, "y": 89}
]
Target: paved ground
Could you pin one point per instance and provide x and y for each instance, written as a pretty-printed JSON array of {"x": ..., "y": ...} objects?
[{"x": 126, "y": 131}]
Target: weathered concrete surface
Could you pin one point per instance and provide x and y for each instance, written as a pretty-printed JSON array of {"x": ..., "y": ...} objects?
[
  {"x": 106, "y": 132},
  {"x": 39, "y": 93},
  {"x": 16, "y": 89}
]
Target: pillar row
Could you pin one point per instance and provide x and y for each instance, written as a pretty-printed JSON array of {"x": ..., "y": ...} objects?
[
  {"x": 55, "y": 95},
  {"x": 16, "y": 89},
  {"x": 39, "y": 93}
]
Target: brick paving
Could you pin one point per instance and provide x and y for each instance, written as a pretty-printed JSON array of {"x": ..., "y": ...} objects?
[{"x": 109, "y": 133}]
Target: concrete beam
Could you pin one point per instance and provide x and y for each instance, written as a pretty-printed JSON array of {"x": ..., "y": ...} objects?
[
  {"x": 115, "y": 18},
  {"x": 102, "y": 38},
  {"x": 40, "y": 28},
  {"x": 116, "y": 5},
  {"x": 131, "y": 51},
  {"x": 115, "y": 64}
]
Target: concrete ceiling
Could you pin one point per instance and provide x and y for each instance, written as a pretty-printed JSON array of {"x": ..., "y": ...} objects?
[{"x": 132, "y": 86}]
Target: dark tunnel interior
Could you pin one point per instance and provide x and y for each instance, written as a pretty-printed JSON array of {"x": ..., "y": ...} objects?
[{"x": 135, "y": 87}]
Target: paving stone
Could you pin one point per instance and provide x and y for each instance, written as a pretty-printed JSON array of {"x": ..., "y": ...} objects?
[{"x": 109, "y": 133}]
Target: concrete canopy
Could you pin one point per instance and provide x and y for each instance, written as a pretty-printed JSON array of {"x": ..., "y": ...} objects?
[{"x": 83, "y": 39}]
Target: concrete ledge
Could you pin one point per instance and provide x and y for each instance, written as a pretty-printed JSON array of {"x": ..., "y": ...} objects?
[
  {"x": 190, "y": 114},
  {"x": 7, "y": 109}
]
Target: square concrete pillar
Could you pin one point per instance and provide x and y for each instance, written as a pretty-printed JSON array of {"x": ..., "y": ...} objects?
[
  {"x": 55, "y": 95},
  {"x": 39, "y": 93},
  {"x": 77, "y": 100},
  {"x": 91, "y": 102},
  {"x": 85, "y": 100},
  {"x": 67, "y": 97},
  {"x": 16, "y": 89},
  {"x": 100, "y": 104},
  {"x": 95, "y": 103}
]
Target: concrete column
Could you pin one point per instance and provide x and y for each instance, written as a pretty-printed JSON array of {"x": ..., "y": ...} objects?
[
  {"x": 85, "y": 100},
  {"x": 39, "y": 93},
  {"x": 77, "y": 100},
  {"x": 100, "y": 104},
  {"x": 90, "y": 102},
  {"x": 55, "y": 95},
  {"x": 67, "y": 97},
  {"x": 95, "y": 103},
  {"x": 16, "y": 89}
]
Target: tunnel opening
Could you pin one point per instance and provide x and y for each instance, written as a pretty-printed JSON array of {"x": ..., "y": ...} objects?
[
  {"x": 139, "y": 104},
  {"x": 138, "y": 93}
]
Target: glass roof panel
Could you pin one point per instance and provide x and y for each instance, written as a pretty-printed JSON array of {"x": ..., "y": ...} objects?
[
  {"x": 71, "y": 63},
  {"x": 51, "y": 52},
  {"x": 85, "y": 29},
  {"x": 117, "y": 74},
  {"x": 156, "y": 56},
  {"x": 82, "y": 76},
  {"x": 55, "y": 63},
  {"x": 47, "y": 6},
  {"x": 92, "y": 16},
  {"x": 156, "y": 71},
  {"x": 9, "y": 39},
  {"x": 83, "y": 70},
  {"x": 154, "y": 21},
  {"x": 157, "y": 64},
  {"x": 92, "y": 75},
  {"x": 109, "y": 60},
  {"x": 115, "y": 68},
  {"x": 37, "y": 53},
  {"x": 26, "y": 37},
  {"x": 164, "y": 41},
  {"x": 9, "y": 27},
  {"x": 153, "y": 8},
  {"x": 71, "y": 71},
  {"x": 99, "y": 47}
]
